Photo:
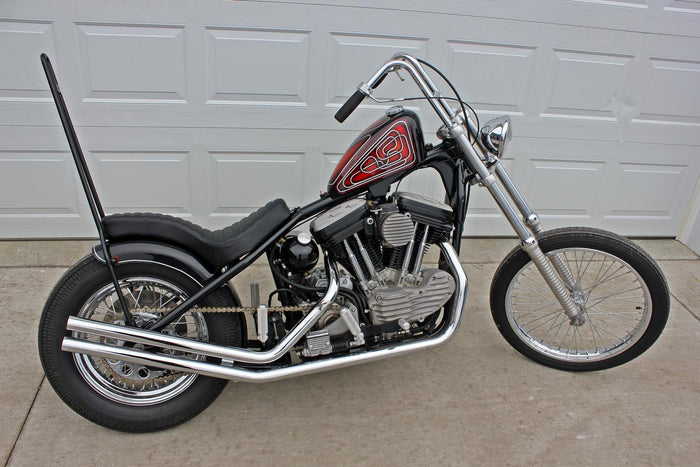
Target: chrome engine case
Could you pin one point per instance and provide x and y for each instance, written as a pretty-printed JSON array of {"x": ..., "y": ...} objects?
[{"x": 412, "y": 302}]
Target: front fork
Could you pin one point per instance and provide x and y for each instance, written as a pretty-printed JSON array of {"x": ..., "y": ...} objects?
[{"x": 525, "y": 223}]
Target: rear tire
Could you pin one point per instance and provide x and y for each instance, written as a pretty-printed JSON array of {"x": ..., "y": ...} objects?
[
  {"x": 119, "y": 395},
  {"x": 619, "y": 286}
]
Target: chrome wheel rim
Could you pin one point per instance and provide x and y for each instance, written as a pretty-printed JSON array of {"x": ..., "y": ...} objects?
[
  {"x": 615, "y": 301},
  {"x": 131, "y": 383}
]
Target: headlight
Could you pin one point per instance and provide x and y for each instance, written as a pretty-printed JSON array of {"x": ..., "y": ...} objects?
[{"x": 495, "y": 135}]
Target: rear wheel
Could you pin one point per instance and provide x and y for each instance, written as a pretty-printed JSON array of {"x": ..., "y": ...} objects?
[
  {"x": 618, "y": 288},
  {"x": 122, "y": 395}
]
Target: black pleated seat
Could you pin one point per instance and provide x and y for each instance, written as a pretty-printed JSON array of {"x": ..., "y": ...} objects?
[{"x": 218, "y": 248}]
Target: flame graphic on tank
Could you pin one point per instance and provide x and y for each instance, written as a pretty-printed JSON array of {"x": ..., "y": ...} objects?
[{"x": 391, "y": 152}]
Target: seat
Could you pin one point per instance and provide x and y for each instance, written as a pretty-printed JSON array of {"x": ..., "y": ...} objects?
[{"x": 218, "y": 248}]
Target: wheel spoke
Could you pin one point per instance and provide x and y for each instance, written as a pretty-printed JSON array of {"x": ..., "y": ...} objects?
[
  {"x": 618, "y": 292},
  {"x": 133, "y": 384},
  {"x": 611, "y": 293}
]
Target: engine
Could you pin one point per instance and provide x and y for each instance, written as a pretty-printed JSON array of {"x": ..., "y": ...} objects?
[
  {"x": 385, "y": 290},
  {"x": 383, "y": 245}
]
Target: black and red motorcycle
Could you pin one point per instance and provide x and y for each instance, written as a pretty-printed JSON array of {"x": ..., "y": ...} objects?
[{"x": 143, "y": 333}]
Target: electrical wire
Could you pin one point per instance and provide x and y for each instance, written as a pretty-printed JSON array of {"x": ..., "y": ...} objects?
[
  {"x": 458, "y": 98},
  {"x": 463, "y": 104}
]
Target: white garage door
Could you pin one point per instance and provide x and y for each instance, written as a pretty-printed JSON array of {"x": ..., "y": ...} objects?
[{"x": 207, "y": 110}]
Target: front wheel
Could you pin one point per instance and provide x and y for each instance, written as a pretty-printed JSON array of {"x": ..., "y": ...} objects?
[{"x": 618, "y": 288}]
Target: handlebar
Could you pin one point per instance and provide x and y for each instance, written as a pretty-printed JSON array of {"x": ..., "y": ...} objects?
[
  {"x": 457, "y": 127},
  {"x": 415, "y": 69},
  {"x": 349, "y": 106}
]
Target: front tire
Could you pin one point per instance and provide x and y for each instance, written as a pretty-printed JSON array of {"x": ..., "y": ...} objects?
[
  {"x": 121, "y": 395},
  {"x": 620, "y": 289}
]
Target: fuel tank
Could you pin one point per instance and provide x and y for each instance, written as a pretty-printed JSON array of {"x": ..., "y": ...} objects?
[{"x": 386, "y": 149}]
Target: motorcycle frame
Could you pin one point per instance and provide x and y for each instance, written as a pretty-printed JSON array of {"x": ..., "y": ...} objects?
[{"x": 455, "y": 173}]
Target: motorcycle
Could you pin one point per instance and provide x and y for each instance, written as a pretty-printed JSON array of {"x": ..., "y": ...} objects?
[{"x": 144, "y": 332}]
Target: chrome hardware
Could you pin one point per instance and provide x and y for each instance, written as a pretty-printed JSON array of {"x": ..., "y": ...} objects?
[
  {"x": 303, "y": 238},
  {"x": 84, "y": 328},
  {"x": 421, "y": 251},
  {"x": 555, "y": 283},
  {"x": 409, "y": 252},
  {"x": 396, "y": 229},
  {"x": 395, "y": 110},
  {"x": 413, "y": 300},
  {"x": 261, "y": 318},
  {"x": 443, "y": 133},
  {"x": 367, "y": 259},
  {"x": 495, "y": 135},
  {"x": 352, "y": 325},
  {"x": 156, "y": 339},
  {"x": 254, "y": 294},
  {"x": 355, "y": 264},
  {"x": 317, "y": 343},
  {"x": 260, "y": 312}
]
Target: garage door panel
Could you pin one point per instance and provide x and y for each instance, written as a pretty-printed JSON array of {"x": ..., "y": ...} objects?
[
  {"x": 669, "y": 101},
  {"x": 22, "y": 43},
  {"x": 149, "y": 65},
  {"x": 574, "y": 184},
  {"x": 354, "y": 57},
  {"x": 648, "y": 190},
  {"x": 497, "y": 77},
  {"x": 37, "y": 183},
  {"x": 144, "y": 181},
  {"x": 240, "y": 181},
  {"x": 248, "y": 66},
  {"x": 586, "y": 84}
]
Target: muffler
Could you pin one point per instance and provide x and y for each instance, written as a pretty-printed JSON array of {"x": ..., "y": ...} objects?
[{"x": 82, "y": 329}]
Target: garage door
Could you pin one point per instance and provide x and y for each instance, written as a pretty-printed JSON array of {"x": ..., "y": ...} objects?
[{"x": 207, "y": 110}]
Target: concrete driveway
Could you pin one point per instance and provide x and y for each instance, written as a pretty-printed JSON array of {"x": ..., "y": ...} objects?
[{"x": 474, "y": 401}]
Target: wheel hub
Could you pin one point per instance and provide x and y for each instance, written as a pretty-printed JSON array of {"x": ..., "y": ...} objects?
[
  {"x": 132, "y": 383},
  {"x": 580, "y": 300}
]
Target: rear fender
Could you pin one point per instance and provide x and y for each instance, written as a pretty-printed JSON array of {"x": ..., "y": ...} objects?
[{"x": 164, "y": 255}]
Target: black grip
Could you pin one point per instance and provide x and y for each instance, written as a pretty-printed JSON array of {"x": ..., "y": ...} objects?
[{"x": 349, "y": 106}]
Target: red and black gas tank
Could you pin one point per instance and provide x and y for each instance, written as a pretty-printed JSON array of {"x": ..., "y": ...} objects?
[{"x": 386, "y": 149}]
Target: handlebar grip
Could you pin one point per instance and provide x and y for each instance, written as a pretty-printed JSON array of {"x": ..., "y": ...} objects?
[{"x": 349, "y": 106}]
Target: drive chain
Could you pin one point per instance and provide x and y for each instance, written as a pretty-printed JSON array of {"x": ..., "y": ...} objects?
[
  {"x": 232, "y": 309},
  {"x": 154, "y": 383}
]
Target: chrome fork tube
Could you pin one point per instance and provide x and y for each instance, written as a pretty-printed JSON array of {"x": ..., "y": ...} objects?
[
  {"x": 533, "y": 222},
  {"x": 531, "y": 219},
  {"x": 527, "y": 237}
]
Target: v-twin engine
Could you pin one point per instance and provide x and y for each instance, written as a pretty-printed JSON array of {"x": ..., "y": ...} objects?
[{"x": 383, "y": 245}]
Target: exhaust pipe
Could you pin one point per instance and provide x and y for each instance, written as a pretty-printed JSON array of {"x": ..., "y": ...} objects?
[{"x": 159, "y": 360}]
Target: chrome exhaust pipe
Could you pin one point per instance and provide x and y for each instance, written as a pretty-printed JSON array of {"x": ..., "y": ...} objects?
[
  {"x": 179, "y": 344},
  {"x": 72, "y": 344}
]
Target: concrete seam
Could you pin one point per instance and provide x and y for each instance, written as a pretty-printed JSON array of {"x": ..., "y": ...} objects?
[
  {"x": 24, "y": 422},
  {"x": 687, "y": 308}
]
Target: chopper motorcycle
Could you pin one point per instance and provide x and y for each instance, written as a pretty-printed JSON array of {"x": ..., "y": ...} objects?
[{"x": 144, "y": 333}]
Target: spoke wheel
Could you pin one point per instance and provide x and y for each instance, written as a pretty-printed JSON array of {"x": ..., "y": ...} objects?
[
  {"x": 613, "y": 298},
  {"x": 617, "y": 287},
  {"x": 132, "y": 383},
  {"x": 129, "y": 396}
]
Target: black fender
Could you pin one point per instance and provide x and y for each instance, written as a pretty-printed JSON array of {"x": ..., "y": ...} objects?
[{"x": 164, "y": 255}]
